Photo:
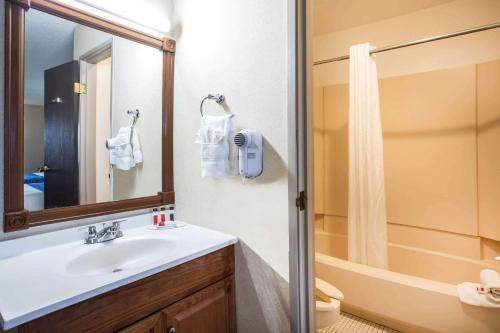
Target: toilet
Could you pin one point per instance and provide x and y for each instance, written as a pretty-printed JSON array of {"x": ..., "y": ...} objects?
[{"x": 327, "y": 313}]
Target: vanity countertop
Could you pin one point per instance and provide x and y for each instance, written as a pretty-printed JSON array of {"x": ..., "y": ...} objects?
[{"x": 44, "y": 273}]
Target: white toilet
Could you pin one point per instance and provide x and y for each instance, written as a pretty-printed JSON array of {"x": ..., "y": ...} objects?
[{"x": 327, "y": 313}]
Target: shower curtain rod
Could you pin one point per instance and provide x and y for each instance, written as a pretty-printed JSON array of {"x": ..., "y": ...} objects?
[{"x": 416, "y": 42}]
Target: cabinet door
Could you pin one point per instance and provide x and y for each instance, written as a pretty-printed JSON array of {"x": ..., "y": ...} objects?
[
  {"x": 151, "y": 324},
  {"x": 211, "y": 310}
]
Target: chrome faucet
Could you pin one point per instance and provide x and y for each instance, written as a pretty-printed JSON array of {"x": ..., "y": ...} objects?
[{"x": 107, "y": 233}]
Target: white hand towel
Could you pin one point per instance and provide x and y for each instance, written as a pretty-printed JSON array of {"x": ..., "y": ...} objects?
[
  {"x": 136, "y": 146},
  {"x": 214, "y": 138},
  {"x": 125, "y": 149},
  {"x": 491, "y": 283},
  {"x": 468, "y": 293}
]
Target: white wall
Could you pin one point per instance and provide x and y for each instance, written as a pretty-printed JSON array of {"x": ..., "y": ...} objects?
[
  {"x": 449, "y": 17},
  {"x": 239, "y": 49}
]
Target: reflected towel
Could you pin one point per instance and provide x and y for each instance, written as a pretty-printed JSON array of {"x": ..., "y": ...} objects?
[
  {"x": 469, "y": 294},
  {"x": 125, "y": 149}
]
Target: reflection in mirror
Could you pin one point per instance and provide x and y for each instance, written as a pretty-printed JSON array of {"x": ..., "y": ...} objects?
[{"x": 93, "y": 115}]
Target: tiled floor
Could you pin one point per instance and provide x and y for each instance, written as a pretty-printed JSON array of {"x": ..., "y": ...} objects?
[{"x": 352, "y": 324}]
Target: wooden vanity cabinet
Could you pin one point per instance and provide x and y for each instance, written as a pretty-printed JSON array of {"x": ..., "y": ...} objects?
[
  {"x": 197, "y": 296},
  {"x": 151, "y": 324},
  {"x": 209, "y": 310}
]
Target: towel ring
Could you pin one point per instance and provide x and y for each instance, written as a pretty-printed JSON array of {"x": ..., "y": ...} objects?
[{"x": 218, "y": 98}]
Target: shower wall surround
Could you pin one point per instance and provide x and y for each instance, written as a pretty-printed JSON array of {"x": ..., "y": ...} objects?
[{"x": 441, "y": 171}]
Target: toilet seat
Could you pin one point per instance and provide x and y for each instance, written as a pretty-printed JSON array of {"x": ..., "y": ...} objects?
[
  {"x": 331, "y": 306},
  {"x": 329, "y": 289}
]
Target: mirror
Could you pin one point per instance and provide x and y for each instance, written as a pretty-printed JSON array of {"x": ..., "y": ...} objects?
[{"x": 92, "y": 115}]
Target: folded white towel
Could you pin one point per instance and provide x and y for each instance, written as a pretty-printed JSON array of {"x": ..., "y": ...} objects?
[
  {"x": 125, "y": 149},
  {"x": 214, "y": 138},
  {"x": 491, "y": 283},
  {"x": 469, "y": 294}
]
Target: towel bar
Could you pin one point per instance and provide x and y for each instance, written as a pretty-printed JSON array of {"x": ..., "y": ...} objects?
[{"x": 218, "y": 98}]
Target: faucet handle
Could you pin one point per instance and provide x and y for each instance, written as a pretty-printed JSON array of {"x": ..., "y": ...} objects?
[
  {"x": 115, "y": 229},
  {"x": 92, "y": 230},
  {"x": 92, "y": 235},
  {"x": 116, "y": 225}
]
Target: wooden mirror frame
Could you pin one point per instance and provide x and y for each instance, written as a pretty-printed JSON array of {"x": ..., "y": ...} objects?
[{"x": 15, "y": 216}]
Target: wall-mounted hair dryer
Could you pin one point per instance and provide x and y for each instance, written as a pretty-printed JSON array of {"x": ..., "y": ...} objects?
[{"x": 250, "y": 158}]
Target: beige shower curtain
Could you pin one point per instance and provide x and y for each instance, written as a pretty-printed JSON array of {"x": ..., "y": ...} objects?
[{"x": 367, "y": 231}]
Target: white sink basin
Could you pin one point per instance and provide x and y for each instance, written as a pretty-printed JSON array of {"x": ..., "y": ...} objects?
[{"x": 120, "y": 255}]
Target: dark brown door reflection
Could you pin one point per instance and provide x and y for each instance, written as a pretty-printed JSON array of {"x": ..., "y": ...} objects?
[{"x": 61, "y": 135}]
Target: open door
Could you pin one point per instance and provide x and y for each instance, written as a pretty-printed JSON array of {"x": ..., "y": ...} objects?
[{"x": 61, "y": 135}]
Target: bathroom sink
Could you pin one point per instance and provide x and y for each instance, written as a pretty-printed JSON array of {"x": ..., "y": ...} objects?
[{"x": 120, "y": 255}]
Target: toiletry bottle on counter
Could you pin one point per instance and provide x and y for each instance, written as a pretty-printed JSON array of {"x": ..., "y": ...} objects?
[
  {"x": 162, "y": 217},
  {"x": 155, "y": 216},
  {"x": 171, "y": 217}
]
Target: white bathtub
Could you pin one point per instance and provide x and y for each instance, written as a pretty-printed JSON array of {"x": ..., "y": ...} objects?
[{"x": 403, "y": 302}]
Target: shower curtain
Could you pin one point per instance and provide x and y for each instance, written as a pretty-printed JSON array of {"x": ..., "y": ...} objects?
[{"x": 367, "y": 221}]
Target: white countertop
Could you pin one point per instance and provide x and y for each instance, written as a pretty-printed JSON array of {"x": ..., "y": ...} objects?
[{"x": 34, "y": 280}]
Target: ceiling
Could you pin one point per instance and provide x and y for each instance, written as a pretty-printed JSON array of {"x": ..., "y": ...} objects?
[
  {"x": 335, "y": 15},
  {"x": 49, "y": 43}
]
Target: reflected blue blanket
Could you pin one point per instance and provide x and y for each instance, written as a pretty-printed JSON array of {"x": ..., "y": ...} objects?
[{"x": 31, "y": 178}]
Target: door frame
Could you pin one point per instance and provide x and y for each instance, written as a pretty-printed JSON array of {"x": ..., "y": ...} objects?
[
  {"x": 93, "y": 57},
  {"x": 301, "y": 219}
]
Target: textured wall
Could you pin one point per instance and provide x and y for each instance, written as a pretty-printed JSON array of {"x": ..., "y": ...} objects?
[{"x": 237, "y": 48}]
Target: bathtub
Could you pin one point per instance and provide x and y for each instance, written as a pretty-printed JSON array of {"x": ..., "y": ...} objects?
[{"x": 404, "y": 302}]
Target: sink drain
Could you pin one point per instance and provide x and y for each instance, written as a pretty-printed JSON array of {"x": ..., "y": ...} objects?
[{"x": 116, "y": 270}]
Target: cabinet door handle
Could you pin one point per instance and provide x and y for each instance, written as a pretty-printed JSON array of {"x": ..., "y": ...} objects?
[{"x": 171, "y": 330}]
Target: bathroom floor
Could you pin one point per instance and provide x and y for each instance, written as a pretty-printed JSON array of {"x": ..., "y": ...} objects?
[{"x": 349, "y": 323}]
